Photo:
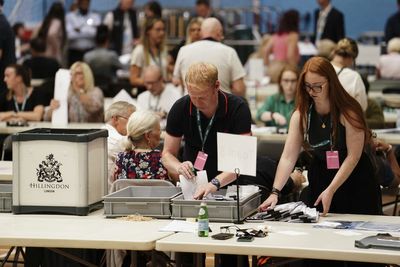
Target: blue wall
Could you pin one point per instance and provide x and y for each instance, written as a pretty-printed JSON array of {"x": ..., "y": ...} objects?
[{"x": 360, "y": 15}]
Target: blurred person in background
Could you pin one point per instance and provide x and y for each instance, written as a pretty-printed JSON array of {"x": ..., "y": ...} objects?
[
  {"x": 159, "y": 97},
  {"x": 343, "y": 61},
  {"x": 203, "y": 9},
  {"x": 151, "y": 51},
  {"x": 325, "y": 48},
  {"x": 328, "y": 22},
  {"x": 389, "y": 65},
  {"x": 7, "y": 49},
  {"x": 103, "y": 61},
  {"x": 210, "y": 49},
  {"x": 278, "y": 108},
  {"x": 21, "y": 42},
  {"x": 116, "y": 118},
  {"x": 81, "y": 29},
  {"x": 193, "y": 34},
  {"x": 392, "y": 26},
  {"x": 40, "y": 65},
  {"x": 141, "y": 158},
  {"x": 54, "y": 33},
  {"x": 22, "y": 102},
  {"x": 123, "y": 25},
  {"x": 283, "y": 45},
  {"x": 85, "y": 101},
  {"x": 152, "y": 10}
]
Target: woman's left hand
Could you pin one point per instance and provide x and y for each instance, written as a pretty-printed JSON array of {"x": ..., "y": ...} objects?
[{"x": 326, "y": 198}]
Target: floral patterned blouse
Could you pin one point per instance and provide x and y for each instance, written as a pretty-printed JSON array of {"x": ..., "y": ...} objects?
[{"x": 140, "y": 165}]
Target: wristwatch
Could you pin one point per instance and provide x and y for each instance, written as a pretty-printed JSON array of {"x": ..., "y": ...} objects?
[{"x": 216, "y": 183}]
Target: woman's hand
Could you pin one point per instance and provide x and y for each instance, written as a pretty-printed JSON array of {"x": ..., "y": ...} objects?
[
  {"x": 8, "y": 115},
  {"x": 54, "y": 104},
  {"x": 205, "y": 190},
  {"x": 326, "y": 198},
  {"x": 279, "y": 118},
  {"x": 269, "y": 203},
  {"x": 186, "y": 169}
]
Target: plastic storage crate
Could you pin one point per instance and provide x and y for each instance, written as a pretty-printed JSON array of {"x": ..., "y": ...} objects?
[
  {"x": 5, "y": 197},
  {"x": 218, "y": 211},
  {"x": 59, "y": 170},
  {"x": 154, "y": 201}
]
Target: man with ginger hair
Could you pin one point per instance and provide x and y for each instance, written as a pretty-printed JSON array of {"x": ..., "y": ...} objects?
[
  {"x": 211, "y": 50},
  {"x": 197, "y": 117}
]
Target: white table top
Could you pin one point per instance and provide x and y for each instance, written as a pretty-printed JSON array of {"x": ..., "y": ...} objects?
[
  {"x": 392, "y": 138},
  {"x": 4, "y": 129},
  {"x": 6, "y": 171},
  {"x": 290, "y": 240},
  {"x": 66, "y": 231}
]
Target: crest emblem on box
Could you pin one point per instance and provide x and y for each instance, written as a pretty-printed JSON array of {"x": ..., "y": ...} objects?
[{"x": 49, "y": 170}]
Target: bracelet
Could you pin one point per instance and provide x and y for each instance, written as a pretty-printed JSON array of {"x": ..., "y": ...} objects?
[{"x": 275, "y": 191}]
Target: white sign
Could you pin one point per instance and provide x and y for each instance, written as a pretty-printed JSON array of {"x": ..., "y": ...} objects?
[
  {"x": 237, "y": 152},
  {"x": 61, "y": 87}
]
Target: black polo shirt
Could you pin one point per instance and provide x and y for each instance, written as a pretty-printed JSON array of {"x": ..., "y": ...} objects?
[{"x": 232, "y": 116}]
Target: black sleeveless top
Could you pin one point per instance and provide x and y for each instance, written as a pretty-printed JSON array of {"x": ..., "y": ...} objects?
[{"x": 360, "y": 193}]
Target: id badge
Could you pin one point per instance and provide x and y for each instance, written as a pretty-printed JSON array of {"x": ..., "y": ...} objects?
[
  {"x": 200, "y": 160},
  {"x": 332, "y": 160}
]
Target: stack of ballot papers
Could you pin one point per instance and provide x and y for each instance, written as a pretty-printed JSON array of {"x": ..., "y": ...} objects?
[{"x": 289, "y": 212}]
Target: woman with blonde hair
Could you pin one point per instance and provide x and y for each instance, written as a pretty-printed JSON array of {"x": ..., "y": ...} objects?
[
  {"x": 151, "y": 51},
  {"x": 85, "y": 101},
  {"x": 22, "y": 102},
  {"x": 343, "y": 61},
  {"x": 141, "y": 158}
]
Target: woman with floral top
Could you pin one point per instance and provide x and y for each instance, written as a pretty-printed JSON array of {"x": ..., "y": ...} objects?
[{"x": 141, "y": 159}]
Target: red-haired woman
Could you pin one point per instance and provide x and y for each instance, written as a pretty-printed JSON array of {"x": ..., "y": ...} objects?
[{"x": 330, "y": 125}]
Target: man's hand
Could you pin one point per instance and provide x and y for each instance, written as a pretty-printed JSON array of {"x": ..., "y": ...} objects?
[
  {"x": 205, "y": 190},
  {"x": 186, "y": 169}
]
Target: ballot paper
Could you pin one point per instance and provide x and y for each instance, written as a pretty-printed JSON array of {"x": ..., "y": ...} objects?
[
  {"x": 123, "y": 95},
  {"x": 61, "y": 87},
  {"x": 190, "y": 186},
  {"x": 180, "y": 226}
]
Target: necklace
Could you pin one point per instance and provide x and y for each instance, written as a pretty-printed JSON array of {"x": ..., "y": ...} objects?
[{"x": 323, "y": 121}]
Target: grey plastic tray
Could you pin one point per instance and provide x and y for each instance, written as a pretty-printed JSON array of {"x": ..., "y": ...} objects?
[
  {"x": 151, "y": 201},
  {"x": 5, "y": 197},
  {"x": 218, "y": 211}
]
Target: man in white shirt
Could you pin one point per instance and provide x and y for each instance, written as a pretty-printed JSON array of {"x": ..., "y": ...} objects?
[
  {"x": 211, "y": 50},
  {"x": 116, "y": 118},
  {"x": 81, "y": 29},
  {"x": 158, "y": 97}
]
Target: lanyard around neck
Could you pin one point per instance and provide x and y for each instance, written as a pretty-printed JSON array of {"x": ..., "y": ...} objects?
[
  {"x": 23, "y": 104},
  {"x": 210, "y": 123},
  {"x": 323, "y": 143}
]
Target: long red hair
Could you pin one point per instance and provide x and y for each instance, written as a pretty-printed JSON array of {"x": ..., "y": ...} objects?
[{"x": 340, "y": 101}]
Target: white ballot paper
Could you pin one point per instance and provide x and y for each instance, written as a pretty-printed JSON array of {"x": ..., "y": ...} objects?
[
  {"x": 61, "y": 87},
  {"x": 123, "y": 95},
  {"x": 190, "y": 186},
  {"x": 237, "y": 152}
]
